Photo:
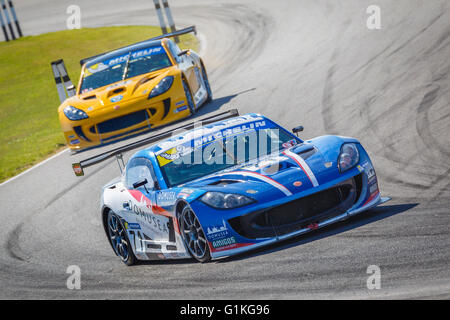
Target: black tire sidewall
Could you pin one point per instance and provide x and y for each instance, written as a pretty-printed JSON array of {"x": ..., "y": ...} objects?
[
  {"x": 186, "y": 87},
  {"x": 207, "y": 85},
  {"x": 131, "y": 257},
  {"x": 207, "y": 255}
]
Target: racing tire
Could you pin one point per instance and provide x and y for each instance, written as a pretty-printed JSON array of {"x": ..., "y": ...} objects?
[
  {"x": 207, "y": 86},
  {"x": 119, "y": 239},
  {"x": 193, "y": 235},
  {"x": 189, "y": 98}
]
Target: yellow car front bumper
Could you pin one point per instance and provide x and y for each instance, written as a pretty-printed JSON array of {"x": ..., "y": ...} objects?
[{"x": 126, "y": 118}]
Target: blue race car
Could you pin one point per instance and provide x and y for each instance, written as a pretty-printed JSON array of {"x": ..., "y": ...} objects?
[{"x": 230, "y": 186}]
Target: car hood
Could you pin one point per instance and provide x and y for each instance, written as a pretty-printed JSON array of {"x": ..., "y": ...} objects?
[
  {"x": 121, "y": 92},
  {"x": 286, "y": 173}
]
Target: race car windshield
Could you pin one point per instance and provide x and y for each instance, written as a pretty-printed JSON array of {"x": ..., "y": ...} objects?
[
  {"x": 123, "y": 67},
  {"x": 183, "y": 164}
]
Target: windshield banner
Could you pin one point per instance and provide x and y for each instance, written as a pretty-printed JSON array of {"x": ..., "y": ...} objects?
[{"x": 120, "y": 59}]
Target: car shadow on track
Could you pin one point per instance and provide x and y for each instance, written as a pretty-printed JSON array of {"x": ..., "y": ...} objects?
[
  {"x": 370, "y": 216},
  {"x": 217, "y": 103}
]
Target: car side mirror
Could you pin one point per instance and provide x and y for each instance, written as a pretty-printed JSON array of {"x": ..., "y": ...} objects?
[
  {"x": 140, "y": 184},
  {"x": 182, "y": 53},
  {"x": 298, "y": 129}
]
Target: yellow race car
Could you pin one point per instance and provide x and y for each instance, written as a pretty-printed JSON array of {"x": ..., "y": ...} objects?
[{"x": 129, "y": 91}]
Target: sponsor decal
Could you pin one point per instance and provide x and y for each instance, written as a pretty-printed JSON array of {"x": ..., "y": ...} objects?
[
  {"x": 226, "y": 242},
  {"x": 94, "y": 69},
  {"x": 116, "y": 107},
  {"x": 313, "y": 226},
  {"x": 180, "y": 103},
  {"x": 116, "y": 99},
  {"x": 297, "y": 184},
  {"x": 179, "y": 109},
  {"x": 173, "y": 154},
  {"x": 155, "y": 209},
  {"x": 185, "y": 193},
  {"x": 289, "y": 144},
  {"x": 77, "y": 169},
  {"x": 360, "y": 168},
  {"x": 90, "y": 108},
  {"x": 229, "y": 132},
  {"x": 175, "y": 255},
  {"x": 76, "y": 141},
  {"x": 166, "y": 198},
  {"x": 133, "y": 226},
  {"x": 200, "y": 93},
  {"x": 144, "y": 215},
  {"x": 368, "y": 168},
  {"x": 217, "y": 232},
  {"x": 145, "y": 52},
  {"x": 372, "y": 196},
  {"x": 101, "y": 66},
  {"x": 251, "y": 191},
  {"x": 204, "y": 135},
  {"x": 373, "y": 188},
  {"x": 71, "y": 136},
  {"x": 328, "y": 164},
  {"x": 187, "y": 190}
]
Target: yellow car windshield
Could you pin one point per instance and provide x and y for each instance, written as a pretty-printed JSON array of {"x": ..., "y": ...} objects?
[{"x": 124, "y": 66}]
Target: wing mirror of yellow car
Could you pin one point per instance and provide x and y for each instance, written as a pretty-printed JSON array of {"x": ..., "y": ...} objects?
[{"x": 182, "y": 53}]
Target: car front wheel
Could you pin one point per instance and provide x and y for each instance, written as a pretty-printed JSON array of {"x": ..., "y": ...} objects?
[{"x": 193, "y": 235}]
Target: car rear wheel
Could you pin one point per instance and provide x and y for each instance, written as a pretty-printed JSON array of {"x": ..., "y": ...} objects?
[
  {"x": 193, "y": 235},
  {"x": 190, "y": 100},
  {"x": 119, "y": 240}
]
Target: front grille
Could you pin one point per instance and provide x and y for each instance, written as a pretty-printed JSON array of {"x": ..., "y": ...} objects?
[
  {"x": 122, "y": 122},
  {"x": 300, "y": 213}
]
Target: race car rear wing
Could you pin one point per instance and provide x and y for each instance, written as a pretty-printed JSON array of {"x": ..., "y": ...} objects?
[
  {"x": 79, "y": 167},
  {"x": 166, "y": 35}
]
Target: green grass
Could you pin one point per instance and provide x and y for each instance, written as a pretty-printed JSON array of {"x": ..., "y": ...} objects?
[{"x": 29, "y": 126}]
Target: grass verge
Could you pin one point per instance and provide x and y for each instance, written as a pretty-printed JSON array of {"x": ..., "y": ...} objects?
[{"x": 29, "y": 126}]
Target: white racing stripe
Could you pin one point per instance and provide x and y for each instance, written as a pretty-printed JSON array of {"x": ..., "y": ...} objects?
[
  {"x": 262, "y": 178},
  {"x": 302, "y": 163}
]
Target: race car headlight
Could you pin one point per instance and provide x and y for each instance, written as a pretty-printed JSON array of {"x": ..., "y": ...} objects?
[
  {"x": 74, "y": 114},
  {"x": 348, "y": 157},
  {"x": 161, "y": 87},
  {"x": 220, "y": 200}
]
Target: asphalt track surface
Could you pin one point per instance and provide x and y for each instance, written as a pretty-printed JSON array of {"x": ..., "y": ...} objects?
[{"x": 313, "y": 63}]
